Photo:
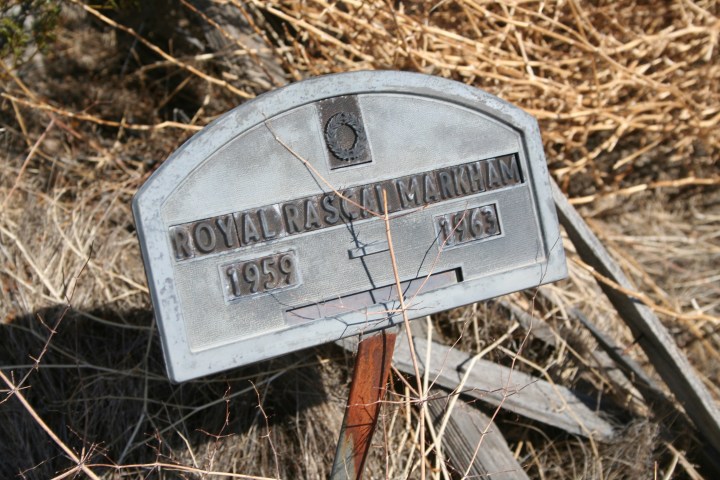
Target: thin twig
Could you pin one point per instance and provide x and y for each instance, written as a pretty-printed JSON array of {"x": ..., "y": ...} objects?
[
  {"x": 100, "y": 121},
  {"x": 15, "y": 392},
  {"x": 408, "y": 333}
]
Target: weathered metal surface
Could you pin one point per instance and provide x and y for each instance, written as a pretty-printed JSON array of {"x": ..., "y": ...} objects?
[
  {"x": 263, "y": 234},
  {"x": 370, "y": 377}
]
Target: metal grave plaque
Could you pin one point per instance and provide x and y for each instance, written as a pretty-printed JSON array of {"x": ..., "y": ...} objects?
[{"x": 265, "y": 234}]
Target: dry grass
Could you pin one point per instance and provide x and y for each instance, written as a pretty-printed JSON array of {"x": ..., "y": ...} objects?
[{"x": 628, "y": 98}]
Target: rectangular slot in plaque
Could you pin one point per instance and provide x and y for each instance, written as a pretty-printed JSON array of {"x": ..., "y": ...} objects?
[{"x": 377, "y": 296}]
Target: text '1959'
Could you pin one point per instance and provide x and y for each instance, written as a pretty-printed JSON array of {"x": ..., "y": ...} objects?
[{"x": 259, "y": 275}]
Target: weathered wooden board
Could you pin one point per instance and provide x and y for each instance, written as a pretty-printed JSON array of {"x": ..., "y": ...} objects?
[
  {"x": 653, "y": 337},
  {"x": 468, "y": 428},
  {"x": 647, "y": 386},
  {"x": 515, "y": 391},
  {"x": 537, "y": 327}
]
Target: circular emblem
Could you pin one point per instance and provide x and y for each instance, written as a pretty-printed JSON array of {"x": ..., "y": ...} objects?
[{"x": 345, "y": 136}]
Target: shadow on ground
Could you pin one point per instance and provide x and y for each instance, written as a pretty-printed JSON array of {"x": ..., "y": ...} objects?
[{"x": 101, "y": 387}]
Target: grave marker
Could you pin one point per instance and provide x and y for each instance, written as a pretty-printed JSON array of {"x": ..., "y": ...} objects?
[{"x": 264, "y": 233}]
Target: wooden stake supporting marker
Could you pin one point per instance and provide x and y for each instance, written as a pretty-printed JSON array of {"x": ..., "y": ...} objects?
[{"x": 370, "y": 377}]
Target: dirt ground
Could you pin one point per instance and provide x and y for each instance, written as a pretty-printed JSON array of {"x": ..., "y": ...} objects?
[{"x": 95, "y": 96}]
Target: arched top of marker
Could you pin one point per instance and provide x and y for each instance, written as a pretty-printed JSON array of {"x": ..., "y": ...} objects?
[
  {"x": 262, "y": 235},
  {"x": 268, "y": 105}
]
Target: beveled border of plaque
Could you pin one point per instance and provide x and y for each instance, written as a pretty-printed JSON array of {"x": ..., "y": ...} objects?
[{"x": 182, "y": 363}]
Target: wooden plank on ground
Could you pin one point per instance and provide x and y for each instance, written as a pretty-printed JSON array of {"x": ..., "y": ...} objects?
[
  {"x": 498, "y": 385},
  {"x": 538, "y": 329},
  {"x": 468, "y": 430},
  {"x": 653, "y": 337}
]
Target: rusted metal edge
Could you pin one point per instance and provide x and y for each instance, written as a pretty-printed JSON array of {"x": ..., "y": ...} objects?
[{"x": 370, "y": 377}]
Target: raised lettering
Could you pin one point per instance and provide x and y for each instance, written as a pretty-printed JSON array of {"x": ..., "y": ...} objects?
[
  {"x": 379, "y": 188},
  {"x": 367, "y": 200},
  {"x": 327, "y": 209},
  {"x": 490, "y": 220},
  {"x": 349, "y": 210},
  {"x": 333, "y": 215},
  {"x": 493, "y": 177},
  {"x": 510, "y": 170},
  {"x": 477, "y": 226},
  {"x": 204, "y": 237},
  {"x": 270, "y": 273},
  {"x": 444, "y": 231},
  {"x": 250, "y": 232},
  {"x": 468, "y": 225},
  {"x": 462, "y": 184},
  {"x": 181, "y": 242},
  {"x": 287, "y": 268},
  {"x": 268, "y": 232},
  {"x": 431, "y": 193},
  {"x": 477, "y": 180},
  {"x": 393, "y": 201},
  {"x": 446, "y": 186},
  {"x": 458, "y": 224},
  {"x": 234, "y": 280},
  {"x": 251, "y": 274},
  {"x": 292, "y": 218},
  {"x": 226, "y": 225},
  {"x": 408, "y": 191},
  {"x": 312, "y": 219},
  {"x": 259, "y": 275}
]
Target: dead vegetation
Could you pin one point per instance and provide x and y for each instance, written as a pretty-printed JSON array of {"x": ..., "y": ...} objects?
[{"x": 628, "y": 98}]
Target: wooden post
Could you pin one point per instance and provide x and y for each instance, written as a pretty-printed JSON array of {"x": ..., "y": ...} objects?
[
  {"x": 669, "y": 361},
  {"x": 372, "y": 369}
]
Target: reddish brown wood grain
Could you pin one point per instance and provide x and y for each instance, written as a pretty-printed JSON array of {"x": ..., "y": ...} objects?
[{"x": 372, "y": 368}]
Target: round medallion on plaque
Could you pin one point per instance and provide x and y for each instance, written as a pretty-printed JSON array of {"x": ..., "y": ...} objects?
[{"x": 345, "y": 136}]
